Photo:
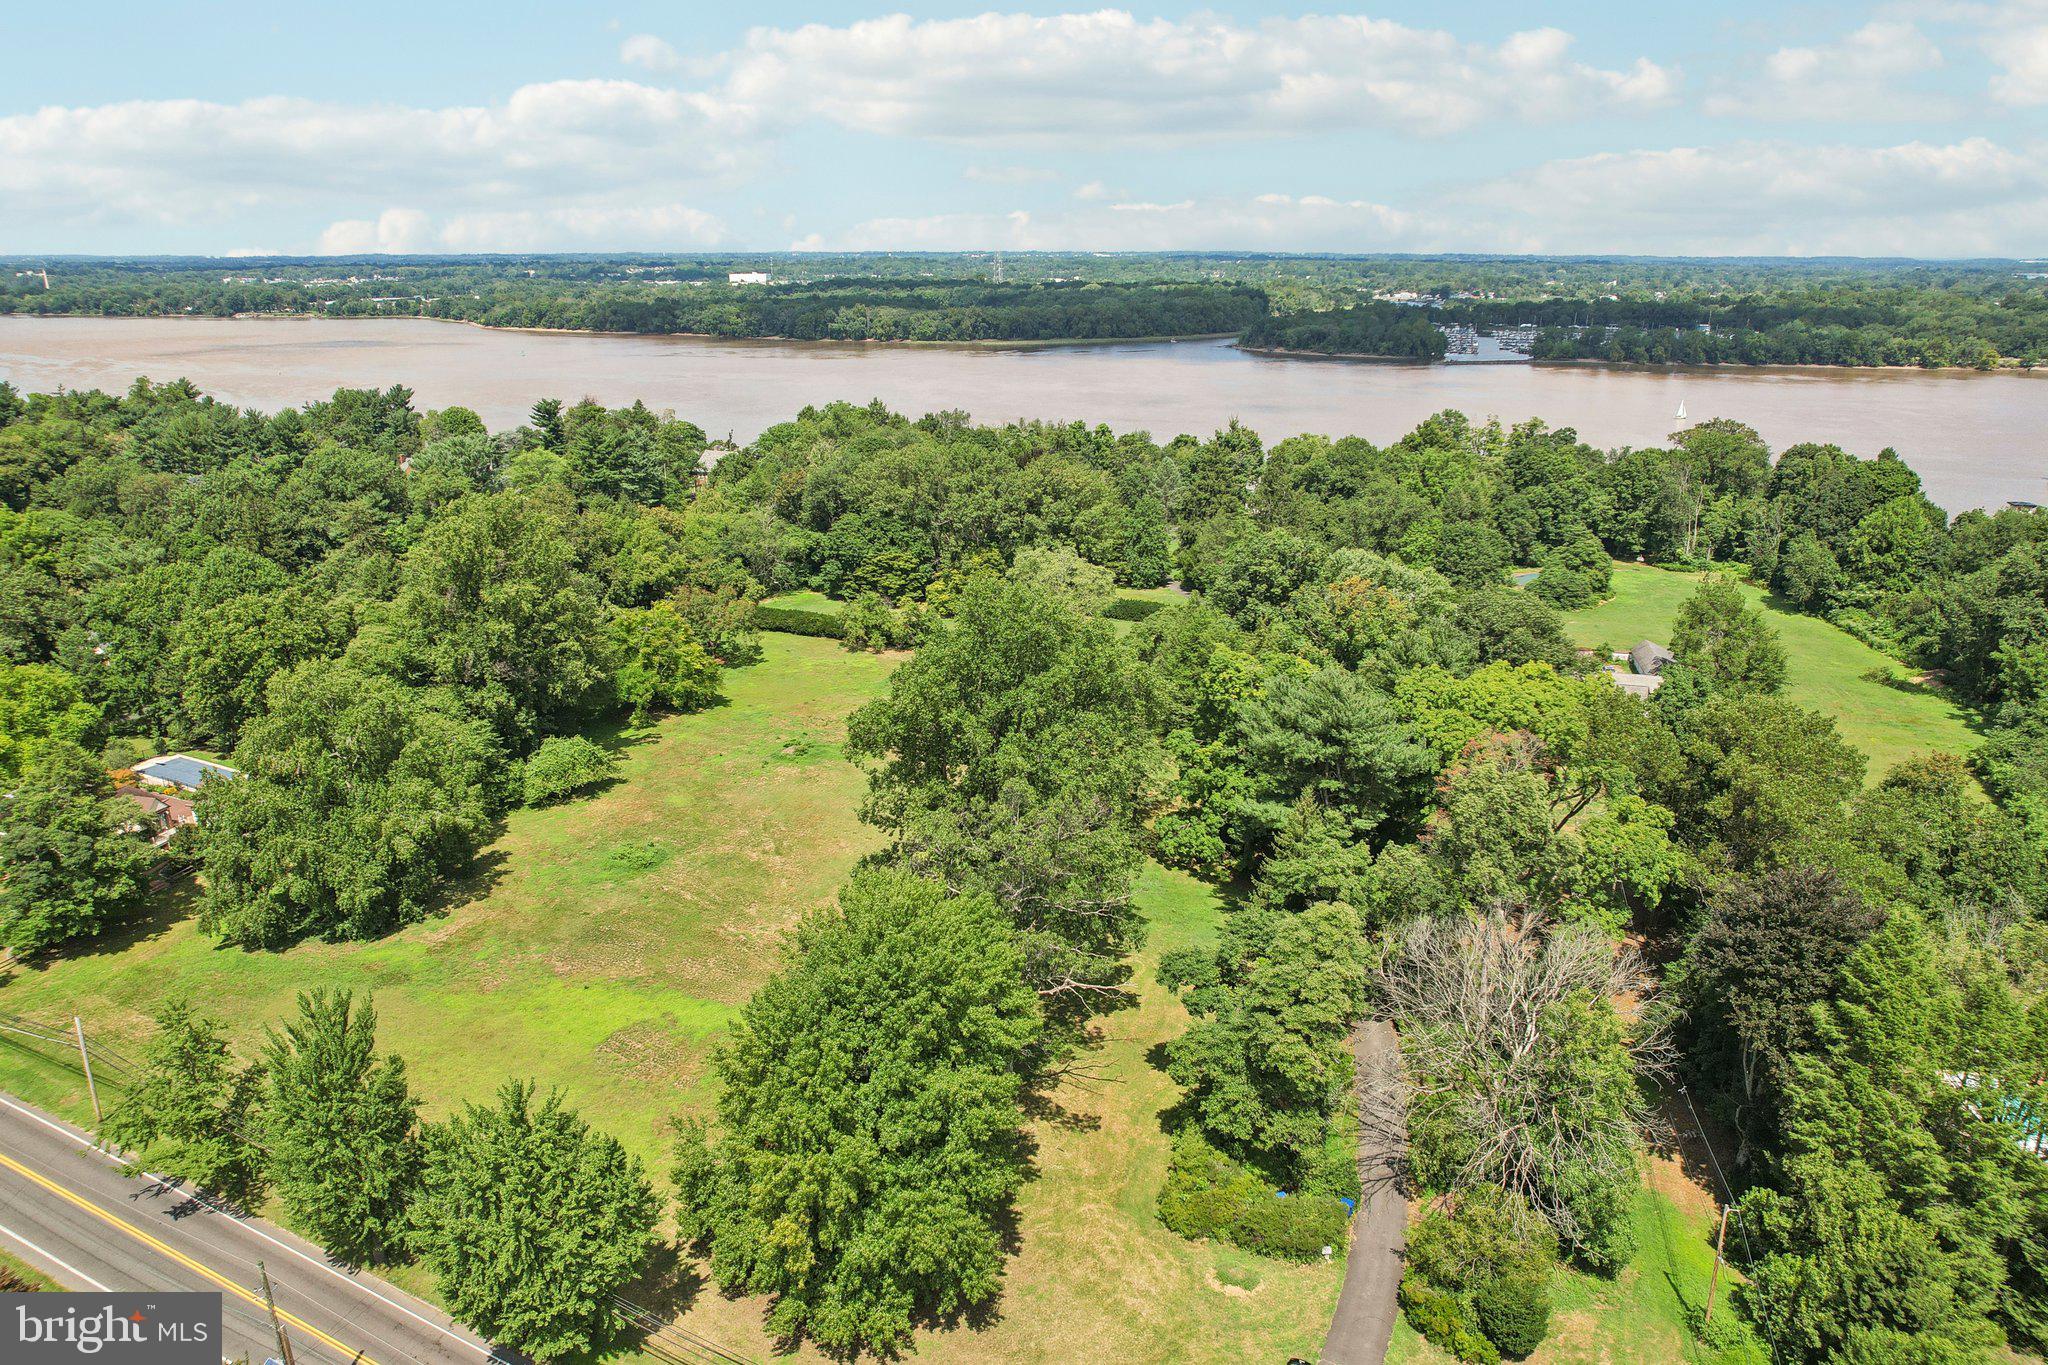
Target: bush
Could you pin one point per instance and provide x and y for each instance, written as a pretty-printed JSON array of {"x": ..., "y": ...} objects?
[
  {"x": 1485, "y": 1234},
  {"x": 1565, "y": 589},
  {"x": 868, "y": 624},
  {"x": 1132, "y": 609},
  {"x": 563, "y": 766},
  {"x": 1208, "y": 1195},
  {"x": 1514, "y": 1313},
  {"x": 822, "y": 625},
  {"x": 1443, "y": 1321}
]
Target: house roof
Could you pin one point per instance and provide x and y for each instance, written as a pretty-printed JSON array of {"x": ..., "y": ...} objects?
[
  {"x": 1635, "y": 684},
  {"x": 182, "y": 770},
  {"x": 1650, "y": 657}
]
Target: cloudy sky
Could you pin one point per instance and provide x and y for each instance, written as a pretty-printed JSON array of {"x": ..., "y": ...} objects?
[{"x": 1755, "y": 128}]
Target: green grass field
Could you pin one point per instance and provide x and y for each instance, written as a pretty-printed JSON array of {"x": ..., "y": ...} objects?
[
  {"x": 1827, "y": 669},
  {"x": 605, "y": 945},
  {"x": 806, "y": 601}
]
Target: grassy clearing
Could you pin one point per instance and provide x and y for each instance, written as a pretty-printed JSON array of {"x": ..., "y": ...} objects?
[
  {"x": 606, "y": 945},
  {"x": 1640, "y": 1316},
  {"x": 806, "y": 601},
  {"x": 1096, "y": 1278},
  {"x": 1868, "y": 693},
  {"x": 601, "y": 945}
]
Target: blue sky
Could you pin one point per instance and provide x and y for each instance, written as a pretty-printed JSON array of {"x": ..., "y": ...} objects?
[{"x": 1914, "y": 128}]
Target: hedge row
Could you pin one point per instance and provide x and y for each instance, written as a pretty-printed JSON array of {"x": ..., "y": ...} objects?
[
  {"x": 799, "y": 621},
  {"x": 1208, "y": 1195},
  {"x": 1132, "y": 608}
]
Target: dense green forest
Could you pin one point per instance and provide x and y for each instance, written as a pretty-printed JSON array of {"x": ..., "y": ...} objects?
[
  {"x": 1367, "y": 330},
  {"x": 1627, "y": 310},
  {"x": 649, "y": 299},
  {"x": 1417, "y": 799}
]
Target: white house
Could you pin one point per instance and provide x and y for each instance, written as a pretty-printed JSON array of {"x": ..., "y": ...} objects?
[{"x": 747, "y": 277}]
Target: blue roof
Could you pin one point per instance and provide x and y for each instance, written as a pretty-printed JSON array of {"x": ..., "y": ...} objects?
[{"x": 182, "y": 771}]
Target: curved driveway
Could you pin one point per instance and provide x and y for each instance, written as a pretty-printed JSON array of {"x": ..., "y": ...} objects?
[{"x": 1364, "y": 1323}]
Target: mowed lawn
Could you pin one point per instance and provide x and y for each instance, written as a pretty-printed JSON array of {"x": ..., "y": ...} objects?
[
  {"x": 607, "y": 946},
  {"x": 601, "y": 945},
  {"x": 1827, "y": 668}
]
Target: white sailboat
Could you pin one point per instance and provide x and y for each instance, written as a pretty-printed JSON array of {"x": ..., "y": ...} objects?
[{"x": 1681, "y": 409}]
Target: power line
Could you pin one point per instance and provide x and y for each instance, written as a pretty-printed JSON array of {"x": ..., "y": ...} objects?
[
  {"x": 660, "y": 1338},
  {"x": 1727, "y": 1191}
]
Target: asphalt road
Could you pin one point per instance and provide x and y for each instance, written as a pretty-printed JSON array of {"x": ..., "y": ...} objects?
[
  {"x": 1364, "y": 1322},
  {"x": 66, "y": 1208}
]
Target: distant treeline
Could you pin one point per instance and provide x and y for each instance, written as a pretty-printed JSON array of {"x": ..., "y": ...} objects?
[
  {"x": 1380, "y": 329},
  {"x": 1794, "y": 343},
  {"x": 1626, "y": 310},
  {"x": 677, "y": 302},
  {"x": 1840, "y": 324}
]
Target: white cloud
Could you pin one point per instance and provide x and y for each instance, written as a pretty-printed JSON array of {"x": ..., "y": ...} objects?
[
  {"x": 1972, "y": 197},
  {"x": 1863, "y": 77},
  {"x": 1009, "y": 175},
  {"x": 1108, "y": 76},
  {"x": 400, "y": 231},
  {"x": 1094, "y": 189},
  {"x": 148, "y": 164},
  {"x": 1249, "y": 223},
  {"x": 2017, "y": 44},
  {"x": 646, "y": 50},
  {"x": 394, "y": 231}
]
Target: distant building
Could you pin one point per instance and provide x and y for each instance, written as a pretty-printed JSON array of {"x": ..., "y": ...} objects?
[
  {"x": 747, "y": 277},
  {"x": 1640, "y": 671},
  {"x": 1649, "y": 657},
  {"x": 181, "y": 772},
  {"x": 161, "y": 814},
  {"x": 1635, "y": 684}
]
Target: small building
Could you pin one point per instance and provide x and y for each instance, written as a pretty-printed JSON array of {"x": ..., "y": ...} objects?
[
  {"x": 161, "y": 814},
  {"x": 747, "y": 277},
  {"x": 1635, "y": 684},
  {"x": 1648, "y": 657},
  {"x": 181, "y": 772}
]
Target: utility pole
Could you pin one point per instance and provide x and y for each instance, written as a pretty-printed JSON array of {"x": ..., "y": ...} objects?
[
  {"x": 284, "y": 1343},
  {"x": 85, "y": 1059},
  {"x": 1714, "y": 1283}
]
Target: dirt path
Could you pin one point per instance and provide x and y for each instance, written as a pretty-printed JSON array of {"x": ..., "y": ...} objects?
[{"x": 1365, "y": 1310}]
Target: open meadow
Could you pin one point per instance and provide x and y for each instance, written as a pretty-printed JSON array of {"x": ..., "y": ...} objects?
[
  {"x": 606, "y": 943},
  {"x": 1870, "y": 695}
]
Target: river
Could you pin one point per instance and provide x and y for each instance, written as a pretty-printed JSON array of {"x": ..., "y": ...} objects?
[{"x": 1976, "y": 439}]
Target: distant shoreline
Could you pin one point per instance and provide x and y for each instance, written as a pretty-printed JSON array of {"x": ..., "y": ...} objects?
[
  {"x": 1022, "y": 344},
  {"x": 1007, "y": 343},
  {"x": 1640, "y": 367}
]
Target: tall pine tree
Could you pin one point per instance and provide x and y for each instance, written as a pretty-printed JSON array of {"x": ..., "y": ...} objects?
[{"x": 341, "y": 1125}]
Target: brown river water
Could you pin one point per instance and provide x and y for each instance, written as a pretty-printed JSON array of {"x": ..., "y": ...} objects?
[{"x": 1976, "y": 439}]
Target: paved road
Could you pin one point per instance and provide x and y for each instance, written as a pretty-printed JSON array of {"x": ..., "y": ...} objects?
[
  {"x": 66, "y": 1208},
  {"x": 1364, "y": 1323}
]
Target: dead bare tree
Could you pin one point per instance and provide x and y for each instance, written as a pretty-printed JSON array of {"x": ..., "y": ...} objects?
[{"x": 1516, "y": 1068}]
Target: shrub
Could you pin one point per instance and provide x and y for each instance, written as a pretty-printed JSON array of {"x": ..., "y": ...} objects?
[
  {"x": 1514, "y": 1313},
  {"x": 867, "y": 623},
  {"x": 563, "y": 766},
  {"x": 1487, "y": 1233},
  {"x": 1443, "y": 1321},
  {"x": 1132, "y": 609},
  {"x": 1208, "y": 1195},
  {"x": 1566, "y": 589},
  {"x": 822, "y": 625}
]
